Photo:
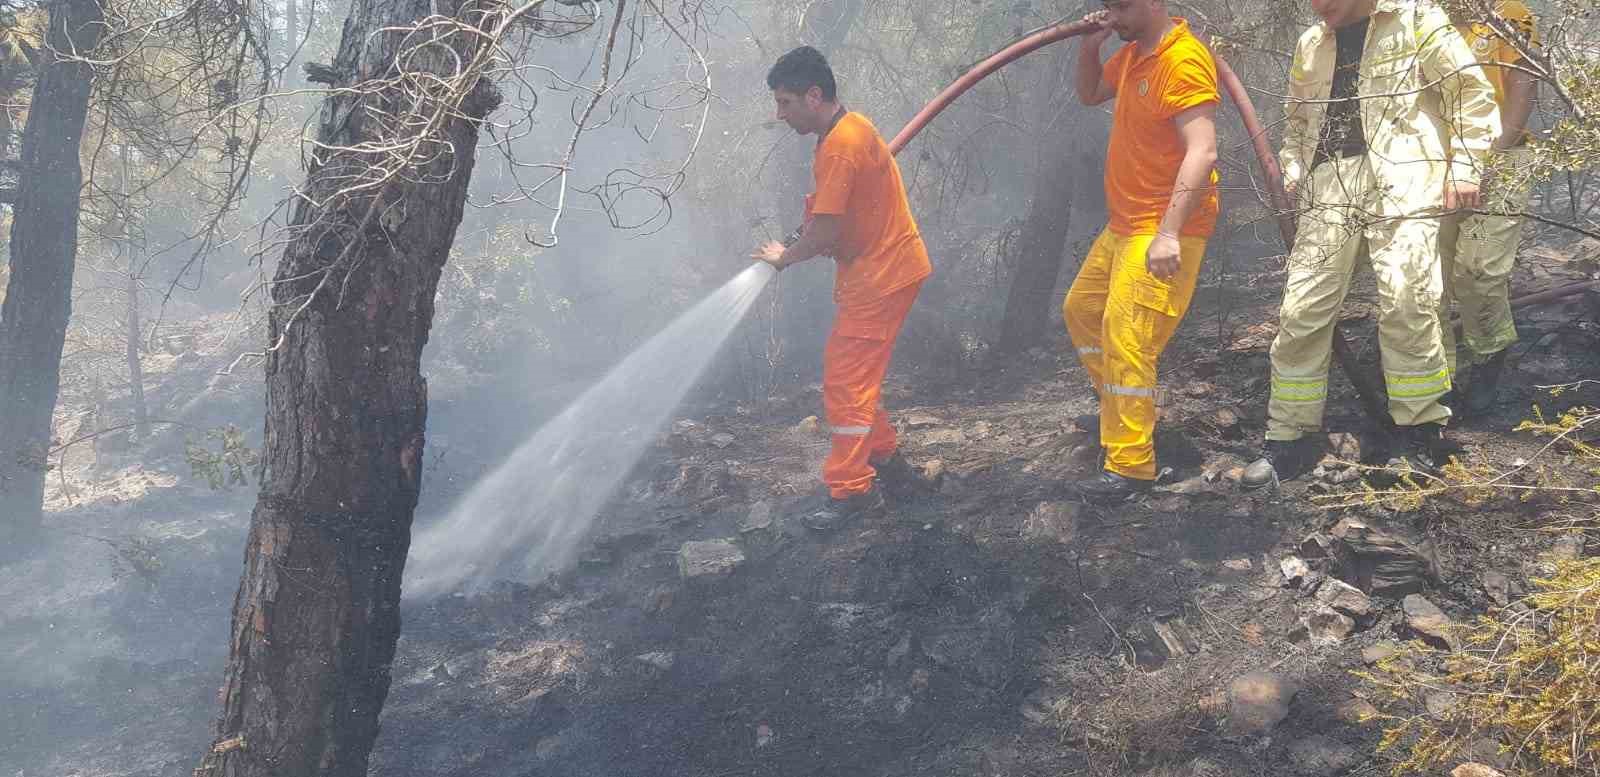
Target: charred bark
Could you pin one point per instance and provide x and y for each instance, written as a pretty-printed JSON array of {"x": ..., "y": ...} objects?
[
  {"x": 44, "y": 249},
  {"x": 316, "y": 615},
  {"x": 1057, "y": 179},
  {"x": 1037, "y": 260}
]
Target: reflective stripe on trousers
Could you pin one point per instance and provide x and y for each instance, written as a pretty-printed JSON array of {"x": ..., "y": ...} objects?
[
  {"x": 1478, "y": 252},
  {"x": 854, "y": 362},
  {"x": 1120, "y": 318},
  {"x": 1340, "y": 200}
]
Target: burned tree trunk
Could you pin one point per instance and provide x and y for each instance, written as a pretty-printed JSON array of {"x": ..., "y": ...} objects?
[
  {"x": 44, "y": 248},
  {"x": 316, "y": 615},
  {"x": 291, "y": 41},
  {"x": 141, "y": 408},
  {"x": 1056, "y": 180},
  {"x": 1038, "y": 256}
]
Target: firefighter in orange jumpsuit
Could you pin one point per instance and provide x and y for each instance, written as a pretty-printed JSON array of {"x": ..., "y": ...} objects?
[
  {"x": 859, "y": 215},
  {"x": 1161, "y": 193}
]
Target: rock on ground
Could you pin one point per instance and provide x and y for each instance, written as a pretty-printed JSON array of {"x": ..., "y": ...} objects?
[
  {"x": 1427, "y": 621},
  {"x": 711, "y": 558},
  {"x": 944, "y": 437},
  {"x": 1328, "y": 626},
  {"x": 1475, "y": 770},
  {"x": 760, "y": 517},
  {"x": 1295, "y": 571},
  {"x": 1356, "y": 711},
  {"x": 1372, "y": 654},
  {"x": 1320, "y": 756},
  {"x": 1345, "y": 598},
  {"x": 1055, "y": 522},
  {"x": 1383, "y": 563},
  {"x": 659, "y": 659},
  {"x": 1257, "y": 702},
  {"x": 1496, "y": 586}
]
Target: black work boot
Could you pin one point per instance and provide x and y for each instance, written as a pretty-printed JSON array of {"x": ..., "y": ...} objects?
[
  {"x": 1484, "y": 388},
  {"x": 851, "y": 509},
  {"x": 1280, "y": 460},
  {"x": 1110, "y": 488},
  {"x": 1426, "y": 448},
  {"x": 1089, "y": 423},
  {"x": 898, "y": 477}
]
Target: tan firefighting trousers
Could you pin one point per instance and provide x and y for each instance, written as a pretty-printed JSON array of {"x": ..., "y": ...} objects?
[
  {"x": 1477, "y": 253},
  {"x": 1120, "y": 318},
  {"x": 1342, "y": 215}
]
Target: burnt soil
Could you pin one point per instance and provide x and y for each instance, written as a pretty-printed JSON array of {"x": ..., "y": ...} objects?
[{"x": 987, "y": 625}]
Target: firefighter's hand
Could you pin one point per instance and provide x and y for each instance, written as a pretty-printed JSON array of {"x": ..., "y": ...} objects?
[
  {"x": 1163, "y": 257},
  {"x": 1461, "y": 195},
  {"x": 1103, "y": 21},
  {"x": 770, "y": 252}
]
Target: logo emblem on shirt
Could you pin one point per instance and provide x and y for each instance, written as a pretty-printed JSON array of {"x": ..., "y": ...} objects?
[
  {"x": 1144, "y": 87},
  {"x": 1481, "y": 45}
]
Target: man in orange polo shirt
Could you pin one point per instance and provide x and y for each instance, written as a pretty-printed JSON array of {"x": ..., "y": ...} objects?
[
  {"x": 860, "y": 216},
  {"x": 1161, "y": 194}
]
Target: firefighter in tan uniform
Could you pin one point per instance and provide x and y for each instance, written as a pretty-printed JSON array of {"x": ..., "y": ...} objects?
[
  {"x": 1480, "y": 249},
  {"x": 1364, "y": 152}
]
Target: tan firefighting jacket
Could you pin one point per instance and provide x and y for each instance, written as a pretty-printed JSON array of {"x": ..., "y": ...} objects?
[{"x": 1427, "y": 111}]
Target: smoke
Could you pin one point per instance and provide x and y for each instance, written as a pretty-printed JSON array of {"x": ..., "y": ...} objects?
[{"x": 529, "y": 515}]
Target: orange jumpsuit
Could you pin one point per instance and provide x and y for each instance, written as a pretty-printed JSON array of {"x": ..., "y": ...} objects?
[{"x": 881, "y": 265}]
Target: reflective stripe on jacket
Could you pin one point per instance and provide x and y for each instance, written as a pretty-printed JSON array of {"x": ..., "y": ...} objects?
[{"x": 1421, "y": 89}]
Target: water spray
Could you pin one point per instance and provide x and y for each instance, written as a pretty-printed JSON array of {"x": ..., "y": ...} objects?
[{"x": 530, "y": 515}]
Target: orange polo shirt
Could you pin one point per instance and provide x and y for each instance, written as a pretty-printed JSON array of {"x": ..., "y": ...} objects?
[
  {"x": 880, "y": 250},
  {"x": 1146, "y": 150}
]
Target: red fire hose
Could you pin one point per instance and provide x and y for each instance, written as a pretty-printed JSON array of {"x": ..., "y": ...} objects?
[
  {"x": 1374, "y": 397},
  {"x": 1023, "y": 46}
]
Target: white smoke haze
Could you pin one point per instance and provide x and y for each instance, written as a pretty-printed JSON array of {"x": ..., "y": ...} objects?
[{"x": 529, "y": 516}]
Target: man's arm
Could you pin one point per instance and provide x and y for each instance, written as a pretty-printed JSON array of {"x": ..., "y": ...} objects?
[
  {"x": 1468, "y": 98},
  {"x": 1197, "y": 127},
  {"x": 817, "y": 239},
  {"x": 1522, "y": 91},
  {"x": 1092, "y": 88},
  {"x": 1521, "y": 86},
  {"x": 1296, "y": 124}
]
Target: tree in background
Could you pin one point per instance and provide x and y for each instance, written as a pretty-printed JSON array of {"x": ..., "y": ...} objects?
[
  {"x": 1063, "y": 176},
  {"x": 171, "y": 83},
  {"x": 44, "y": 245}
]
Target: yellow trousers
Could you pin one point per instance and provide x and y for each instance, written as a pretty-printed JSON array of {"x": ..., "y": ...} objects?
[
  {"x": 1478, "y": 252},
  {"x": 1120, "y": 318}
]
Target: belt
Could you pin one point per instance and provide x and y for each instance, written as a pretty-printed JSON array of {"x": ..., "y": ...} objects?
[{"x": 1343, "y": 152}]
